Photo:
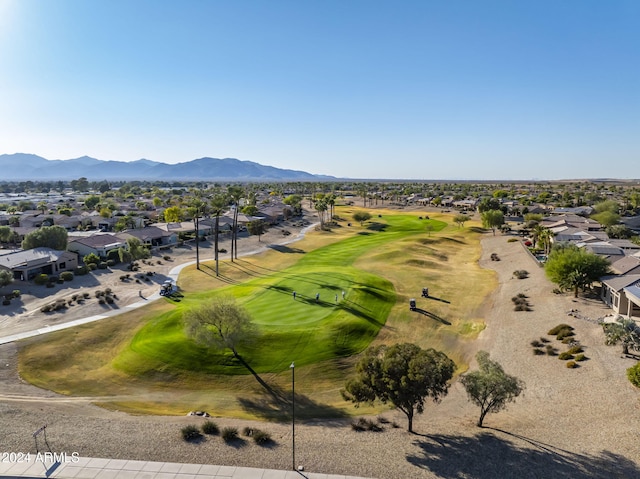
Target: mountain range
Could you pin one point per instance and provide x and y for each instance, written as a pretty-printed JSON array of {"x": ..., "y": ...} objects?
[{"x": 24, "y": 166}]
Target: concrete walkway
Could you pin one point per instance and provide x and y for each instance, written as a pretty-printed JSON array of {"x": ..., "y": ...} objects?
[{"x": 89, "y": 468}]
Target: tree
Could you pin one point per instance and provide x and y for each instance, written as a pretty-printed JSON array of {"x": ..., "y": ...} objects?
[
  {"x": 488, "y": 204},
  {"x": 173, "y": 214},
  {"x": 218, "y": 204},
  {"x": 573, "y": 268},
  {"x": 256, "y": 227},
  {"x": 6, "y": 234},
  {"x": 54, "y": 237},
  {"x": 361, "y": 217},
  {"x": 219, "y": 323},
  {"x": 490, "y": 387},
  {"x": 6, "y": 277},
  {"x": 90, "y": 202},
  {"x": 606, "y": 218},
  {"x": 623, "y": 331},
  {"x": 91, "y": 258},
  {"x": 42, "y": 206},
  {"x": 136, "y": 249},
  {"x": 492, "y": 219},
  {"x": 460, "y": 219},
  {"x": 403, "y": 375},
  {"x": 81, "y": 184}
]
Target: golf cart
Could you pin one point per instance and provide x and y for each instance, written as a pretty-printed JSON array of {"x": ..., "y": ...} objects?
[
  {"x": 167, "y": 288},
  {"x": 412, "y": 304},
  {"x": 425, "y": 292}
]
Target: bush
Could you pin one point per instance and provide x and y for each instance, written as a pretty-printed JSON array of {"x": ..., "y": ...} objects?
[
  {"x": 248, "y": 431},
  {"x": 41, "y": 279},
  {"x": 91, "y": 258},
  {"x": 564, "y": 334},
  {"x": 110, "y": 263},
  {"x": 16, "y": 293},
  {"x": 102, "y": 265},
  {"x": 572, "y": 364},
  {"x": 555, "y": 330},
  {"x": 46, "y": 308},
  {"x": 108, "y": 299},
  {"x": 166, "y": 257},
  {"x": 191, "y": 433},
  {"x": 98, "y": 293},
  {"x": 551, "y": 351},
  {"x": 580, "y": 357},
  {"x": 535, "y": 343},
  {"x": 81, "y": 270},
  {"x": 538, "y": 352},
  {"x": 66, "y": 276},
  {"x": 85, "y": 295},
  {"x": 362, "y": 424},
  {"x": 564, "y": 356},
  {"x": 633, "y": 375},
  {"x": 521, "y": 274},
  {"x": 575, "y": 350},
  {"x": 230, "y": 434},
  {"x": 261, "y": 437},
  {"x": 92, "y": 266},
  {"x": 210, "y": 427}
]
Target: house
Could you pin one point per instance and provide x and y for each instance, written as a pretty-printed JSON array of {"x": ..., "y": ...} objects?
[
  {"x": 99, "y": 244},
  {"x": 27, "y": 264},
  {"x": 151, "y": 236},
  {"x": 224, "y": 224},
  {"x": 622, "y": 294},
  {"x": 626, "y": 265}
]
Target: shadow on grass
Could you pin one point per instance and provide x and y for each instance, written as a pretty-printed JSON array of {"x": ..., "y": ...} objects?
[
  {"x": 285, "y": 249},
  {"x": 487, "y": 455},
  {"x": 437, "y": 299},
  {"x": 432, "y": 316}
]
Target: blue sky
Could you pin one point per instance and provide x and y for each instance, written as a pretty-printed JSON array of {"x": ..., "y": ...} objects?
[{"x": 450, "y": 89}]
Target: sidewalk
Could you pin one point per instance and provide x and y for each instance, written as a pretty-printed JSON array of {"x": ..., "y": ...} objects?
[{"x": 90, "y": 468}]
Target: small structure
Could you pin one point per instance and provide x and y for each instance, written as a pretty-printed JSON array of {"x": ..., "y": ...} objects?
[
  {"x": 412, "y": 304},
  {"x": 167, "y": 288}
]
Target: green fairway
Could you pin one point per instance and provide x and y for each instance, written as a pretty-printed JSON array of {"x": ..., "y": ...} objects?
[
  {"x": 304, "y": 330},
  {"x": 144, "y": 360}
]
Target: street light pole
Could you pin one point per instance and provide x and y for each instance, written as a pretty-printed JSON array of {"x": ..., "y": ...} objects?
[{"x": 293, "y": 415}]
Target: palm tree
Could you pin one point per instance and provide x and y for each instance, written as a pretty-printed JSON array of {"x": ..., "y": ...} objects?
[
  {"x": 218, "y": 204},
  {"x": 235, "y": 193}
]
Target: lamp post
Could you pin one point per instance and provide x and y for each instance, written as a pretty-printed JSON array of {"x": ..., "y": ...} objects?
[{"x": 293, "y": 415}]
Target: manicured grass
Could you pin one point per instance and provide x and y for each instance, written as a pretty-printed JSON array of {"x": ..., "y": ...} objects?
[{"x": 144, "y": 354}]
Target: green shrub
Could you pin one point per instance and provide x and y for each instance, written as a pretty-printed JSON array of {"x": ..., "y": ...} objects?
[
  {"x": 633, "y": 375},
  {"x": 575, "y": 350},
  {"x": 41, "y": 279},
  {"x": 210, "y": 427},
  {"x": 521, "y": 274},
  {"x": 66, "y": 276},
  {"x": 110, "y": 263},
  {"x": 261, "y": 437},
  {"x": 248, "y": 431},
  {"x": 191, "y": 433},
  {"x": 16, "y": 293},
  {"x": 81, "y": 270},
  {"x": 230, "y": 434},
  {"x": 92, "y": 266},
  {"x": 91, "y": 258},
  {"x": 555, "y": 330},
  {"x": 572, "y": 364},
  {"x": 551, "y": 351},
  {"x": 565, "y": 333},
  {"x": 362, "y": 424},
  {"x": 565, "y": 355},
  {"x": 580, "y": 357}
]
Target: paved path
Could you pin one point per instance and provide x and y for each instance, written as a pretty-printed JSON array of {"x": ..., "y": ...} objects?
[{"x": 89, "y": 468}]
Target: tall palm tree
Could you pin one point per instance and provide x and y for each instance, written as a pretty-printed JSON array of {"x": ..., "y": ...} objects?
[
  {"x": 219, "y": 203},
  {"x": 235, "y": 194}
]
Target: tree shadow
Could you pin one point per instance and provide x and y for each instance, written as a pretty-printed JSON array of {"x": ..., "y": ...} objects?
[
  {"x": 432, "y": 316},
  {"x": 375, "y": 226},
  {"x": 285, "y": 249},
  {"x": 266, "y": 407},
  {"x": 486, "y": 455}
]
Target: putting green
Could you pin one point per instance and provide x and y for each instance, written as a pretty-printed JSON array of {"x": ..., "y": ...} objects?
[{"x": 304, "y": 330}]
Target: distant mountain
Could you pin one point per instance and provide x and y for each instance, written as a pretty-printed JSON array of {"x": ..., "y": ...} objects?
[{"x": 23, "y": 166}]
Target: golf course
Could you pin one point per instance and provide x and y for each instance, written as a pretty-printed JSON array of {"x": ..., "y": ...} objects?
[{"x": 318, "y": 302}]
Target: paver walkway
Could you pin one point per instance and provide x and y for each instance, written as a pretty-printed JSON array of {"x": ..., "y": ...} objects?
[{"x": 96, "y": 468}]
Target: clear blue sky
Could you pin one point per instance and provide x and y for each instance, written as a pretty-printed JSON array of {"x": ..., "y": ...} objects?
[{"x": 449, "y": 89}]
